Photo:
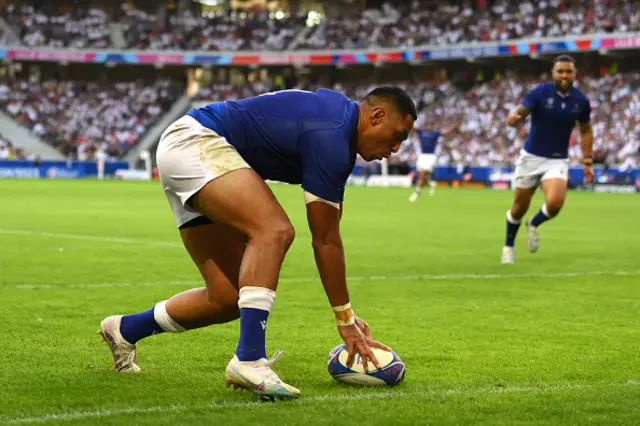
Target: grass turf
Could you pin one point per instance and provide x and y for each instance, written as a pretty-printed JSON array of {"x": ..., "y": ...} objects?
[{"x": 553, "y": 339}]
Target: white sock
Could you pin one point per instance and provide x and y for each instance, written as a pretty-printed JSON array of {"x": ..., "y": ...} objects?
[
  {"x": 511, "y": 220},
  {"x": 164, "y": 320},
  {"x": 545, "y": 211},
  {"x": 256, "y": 298},
  {"x": 418, "y": 189}
]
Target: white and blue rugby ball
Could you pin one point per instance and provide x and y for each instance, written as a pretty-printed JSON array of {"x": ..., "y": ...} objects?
[{"x": 391, "y": 373}]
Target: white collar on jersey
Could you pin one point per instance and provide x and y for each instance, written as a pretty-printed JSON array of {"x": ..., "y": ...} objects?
[{"x": 562, "y": 95}]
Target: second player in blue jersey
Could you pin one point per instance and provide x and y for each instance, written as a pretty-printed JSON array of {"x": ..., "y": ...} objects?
[{"x": 555, "y": 108}]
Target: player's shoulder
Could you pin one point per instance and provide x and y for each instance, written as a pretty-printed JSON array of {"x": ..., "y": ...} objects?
[
  {"x": 579, "y": 94},
  {"x": 332, "y": 94},
  {"x": 544, "y": 87},
  {"x": 335, "y": 101}
]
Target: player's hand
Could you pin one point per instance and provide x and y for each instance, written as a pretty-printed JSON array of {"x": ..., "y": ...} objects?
[
  {"x": 513, "y": 119},
  {"x": 359, "y": 341},
  {"x": 588, "y": 174}
]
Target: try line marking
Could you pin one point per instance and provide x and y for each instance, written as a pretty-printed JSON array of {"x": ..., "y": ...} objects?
[
  {"x": 356, "y": 278},
  {"x": 306, "y": 400}
]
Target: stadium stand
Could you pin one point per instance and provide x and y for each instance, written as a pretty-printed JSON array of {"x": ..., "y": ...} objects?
[
  {"x": 393, "y": 24},
  {"x": 46, "y": 26},
  {"x": 190, "y": 31},
  {"x": 81, "y": 118},
  {"x": 407, "y": 24}
]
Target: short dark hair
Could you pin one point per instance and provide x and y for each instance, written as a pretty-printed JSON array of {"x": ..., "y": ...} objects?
[
  {"x": 397, "y": 96},
  {"x": 564, "y": 58}
]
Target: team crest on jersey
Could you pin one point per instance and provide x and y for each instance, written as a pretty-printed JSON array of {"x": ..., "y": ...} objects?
[
  {"x": 549, "y": 102},
  {"x": 576, "y": 108}
]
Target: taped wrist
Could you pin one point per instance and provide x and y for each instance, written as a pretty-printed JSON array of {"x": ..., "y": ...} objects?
[{"x": 344, "y": 315}]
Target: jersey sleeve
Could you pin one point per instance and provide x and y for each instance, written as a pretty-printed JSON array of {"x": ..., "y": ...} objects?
[
  {"x": 585, "y": 112},
  {"x": 532, "y": 98},
  {"x": 326, "y": 164}
]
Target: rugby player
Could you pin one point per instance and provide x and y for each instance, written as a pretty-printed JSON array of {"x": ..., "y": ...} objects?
[
  {"x": 555, "y": 107},
  {"x": 212, "y": 164},
  {"x": 427, "y": 159}
]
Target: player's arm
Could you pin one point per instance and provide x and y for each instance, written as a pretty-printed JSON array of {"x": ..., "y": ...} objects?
[
  {"x": 586, "y": 142},
  {"x": 324, "y": 223},
  {"x": 515, "y": 117},
  {"x": 522, "y": 111},
  {"x": 450, "y": 129},
  {"x": 325, "y": 172}
]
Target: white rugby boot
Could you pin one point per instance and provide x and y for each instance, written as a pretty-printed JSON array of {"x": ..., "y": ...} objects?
[
  {"x": 124, "y": 353},
  {"x": 508, "y": 255},
  {"x": 414, "y": 197},
  {"x": 259, "y": 378},
  {"x": 533, "y": 238}
]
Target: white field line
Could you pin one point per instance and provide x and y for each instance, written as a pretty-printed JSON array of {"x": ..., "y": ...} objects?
[
  {"x": 89, "y": 238},
  {"x": 356, "y": 278},
  {"x": 307, "y": 400}
]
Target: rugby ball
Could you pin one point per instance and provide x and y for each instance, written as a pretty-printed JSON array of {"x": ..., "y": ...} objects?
[{"x": 391, "y": 373}]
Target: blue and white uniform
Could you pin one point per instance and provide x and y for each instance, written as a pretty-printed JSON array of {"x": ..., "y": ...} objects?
[
  {"x": 292, "y": 136},
  {"x": 428, "y": 144},
  {"x": 553, "y": 118}
]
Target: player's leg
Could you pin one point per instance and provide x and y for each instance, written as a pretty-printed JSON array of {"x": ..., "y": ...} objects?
[
  {"x": 521, "y": 201},
  {"x": 554, "y": 184},
  {"x": 242, "y": 200},
  {"x": 526, "y": 181},
  {"x": 555, "y": 191},
  {"x": 203, "y": 174},
  {"x": 422, "y": 180},
  {"x": 217, "y": 251},
  {"x": 431, "y": 182}
]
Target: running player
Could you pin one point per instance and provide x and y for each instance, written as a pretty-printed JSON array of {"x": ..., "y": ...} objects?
[
  {"x": 427, "y": 158},
  {"x": 554, "y": 107},
  {"x": 212, "y": 164}
]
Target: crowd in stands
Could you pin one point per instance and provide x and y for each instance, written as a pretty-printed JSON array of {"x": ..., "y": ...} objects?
[
  {"x": 395, "y": 24},
  {"x": 85, "y": 27},
  {"x": 188, "y": 31},
  {"x": 83, "y": 119},
  {"x": 408, "y": 24}
]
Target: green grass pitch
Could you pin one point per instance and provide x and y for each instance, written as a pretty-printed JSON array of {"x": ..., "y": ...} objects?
[{"x": 553, "y": 339}]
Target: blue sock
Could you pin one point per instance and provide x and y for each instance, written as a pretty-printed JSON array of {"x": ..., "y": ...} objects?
[
  {"x": 541, "y": 217},
  {"x": 512, "y": 230},
  {"x": 138, "y": 326},
  {"x": 253, "y": 326}
]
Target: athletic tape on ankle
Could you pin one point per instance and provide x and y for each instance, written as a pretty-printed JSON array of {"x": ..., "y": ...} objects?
[
  {"x": 256, "y": 298},
  {"x": 164, "y": 320}
]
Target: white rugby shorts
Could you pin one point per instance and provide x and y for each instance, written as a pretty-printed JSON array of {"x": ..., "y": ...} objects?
[
  {"x": 532, "y": 169},
  {"x": 426, "y": 162},
  {"x": 189, "y": 156}
]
